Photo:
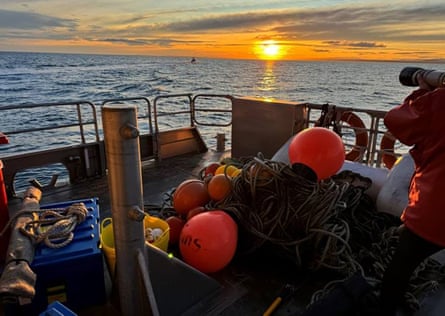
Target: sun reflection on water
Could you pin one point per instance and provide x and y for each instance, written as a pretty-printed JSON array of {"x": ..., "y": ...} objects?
[{"x": 269, "y": 79}]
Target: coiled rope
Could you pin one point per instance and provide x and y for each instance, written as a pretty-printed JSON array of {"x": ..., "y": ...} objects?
[
  {"x": 53, "y": 227},
  {"x": 330, "y": 224},
  {"x": 289, "y": 208}
]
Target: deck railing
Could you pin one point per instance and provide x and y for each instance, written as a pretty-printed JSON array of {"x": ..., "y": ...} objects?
[
  {"x": 70, "y": 133},
  {"x": 363, "y": 132},
  {"x": 63, "y": 135},
  {"x": 67, "y": 137},
  {"x": 31, "y": 118}
]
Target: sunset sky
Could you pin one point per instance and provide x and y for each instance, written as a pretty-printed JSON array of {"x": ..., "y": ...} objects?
[{"x": 268, "y": 29}]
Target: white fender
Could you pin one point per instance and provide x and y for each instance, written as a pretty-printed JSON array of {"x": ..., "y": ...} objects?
[{"x": 393, "y": 196}]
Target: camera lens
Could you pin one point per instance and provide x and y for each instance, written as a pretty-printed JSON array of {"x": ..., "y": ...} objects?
[
  {"x": 434, "y": 78},
  {"x": 408, "y": 76}
]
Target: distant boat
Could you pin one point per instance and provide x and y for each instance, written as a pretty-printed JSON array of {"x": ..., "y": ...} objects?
[{"x": 193, "y": 60}]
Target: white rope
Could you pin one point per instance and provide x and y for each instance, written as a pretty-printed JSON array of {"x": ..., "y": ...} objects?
[{"x": 55, "y": 227}]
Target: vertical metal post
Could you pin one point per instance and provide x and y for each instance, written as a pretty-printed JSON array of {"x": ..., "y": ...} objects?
[
  {"x": 121, "y": 137},
  {"x": 220, "y": 142}
]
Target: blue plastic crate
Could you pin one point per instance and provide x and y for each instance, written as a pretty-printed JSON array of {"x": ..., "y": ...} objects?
[
  {"x": 74, "y": 274},
  {"x": 57, "y": 309}
]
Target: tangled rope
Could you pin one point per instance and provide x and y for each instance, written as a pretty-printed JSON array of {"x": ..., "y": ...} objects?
[
  {"x": 330, "y": 224},
  {"x": 425, "y": 279},
  {"x": 276, "y": 204},
  {"x": 54, "y": 227}
]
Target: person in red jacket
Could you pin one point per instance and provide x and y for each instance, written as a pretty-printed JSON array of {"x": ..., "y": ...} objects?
[{"x": 418, "y": 122}]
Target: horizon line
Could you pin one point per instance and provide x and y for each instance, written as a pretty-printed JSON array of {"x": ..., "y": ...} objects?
[{"x": 424, "y": 61}]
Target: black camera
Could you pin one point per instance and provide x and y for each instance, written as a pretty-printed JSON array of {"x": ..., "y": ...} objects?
[{"x": 408, "y": 77}]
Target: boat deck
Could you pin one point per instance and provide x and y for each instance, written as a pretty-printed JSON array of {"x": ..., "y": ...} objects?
[
  {"x": 250, "y": 284},
  {"x": 159, "y": 177}
]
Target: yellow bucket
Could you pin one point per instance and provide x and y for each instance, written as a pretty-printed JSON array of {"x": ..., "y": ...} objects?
[{"x": 107, "y": 238}]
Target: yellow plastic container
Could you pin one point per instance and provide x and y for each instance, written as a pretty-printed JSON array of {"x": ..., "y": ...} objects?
[{"x": 107, "y": 238}]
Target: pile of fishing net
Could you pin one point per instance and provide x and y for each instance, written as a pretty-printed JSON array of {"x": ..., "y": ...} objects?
[
  {"x": 318, "y": 224},
  {"x": 330, "y": 224}
]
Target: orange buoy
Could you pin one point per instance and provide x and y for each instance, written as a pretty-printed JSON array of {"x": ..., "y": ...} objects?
[
  {"x": 318, "y": 148},
  {"x": 219, "y": 187},
  {"x": 190, "y": 194},
  {"x": 387, "y": 147},
  {"x": 208, "y": 241},
  {"x": 226, "y": 170},
  {"x": 361, "y": 136}
]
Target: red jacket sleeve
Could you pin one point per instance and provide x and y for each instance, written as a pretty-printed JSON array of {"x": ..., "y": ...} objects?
[{"x": 409, "y": 122}]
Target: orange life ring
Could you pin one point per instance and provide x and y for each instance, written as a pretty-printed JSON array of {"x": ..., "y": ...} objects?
[
  {"x": 361, "y": 135},
  {"x": 387, "y": 149}
]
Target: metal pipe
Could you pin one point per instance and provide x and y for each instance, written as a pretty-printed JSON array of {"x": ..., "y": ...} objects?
[{"x": 121, "y": 137}]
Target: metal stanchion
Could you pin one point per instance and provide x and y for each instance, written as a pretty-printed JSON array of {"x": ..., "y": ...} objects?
[{"x": 121, "y": 137}]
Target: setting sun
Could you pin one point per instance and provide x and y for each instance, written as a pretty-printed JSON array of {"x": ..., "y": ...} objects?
[{"x": 269, "y": 50}]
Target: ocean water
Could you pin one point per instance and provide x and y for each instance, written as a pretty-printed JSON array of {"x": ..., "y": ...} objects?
[
  {"x": 27, "y": 78},
  {"x": 37, "y": 78}
]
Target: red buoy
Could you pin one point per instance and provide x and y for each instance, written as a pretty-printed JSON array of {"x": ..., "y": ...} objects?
[
  {"x": 208, "y": 241},
  {"x": 190, "y": 194},
  {"x": 318, "y": 148}
]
